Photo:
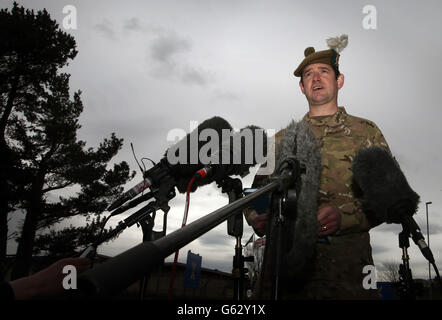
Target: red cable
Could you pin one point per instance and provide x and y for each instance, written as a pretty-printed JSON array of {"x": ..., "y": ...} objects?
[{"x": 175, "y": 260}]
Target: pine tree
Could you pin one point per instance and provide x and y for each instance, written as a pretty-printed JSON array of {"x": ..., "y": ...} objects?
[
  {"x": 40, "y": 121},
  {"x": 32, "y": 48}
]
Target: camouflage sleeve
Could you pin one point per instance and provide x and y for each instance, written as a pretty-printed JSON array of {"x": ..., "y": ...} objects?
[{"x": 353, "y": 217}]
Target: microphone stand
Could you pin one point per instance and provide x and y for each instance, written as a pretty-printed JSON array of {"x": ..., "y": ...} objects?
[
  {"x": 286, "y": 201},
  {"x": 286, "y": 211},
  {"x": 144, "y": 217},
  {"x": 233, "y": 187},
  {"x": 122, "y": 270},
  {"x": 406, "y": 287}
]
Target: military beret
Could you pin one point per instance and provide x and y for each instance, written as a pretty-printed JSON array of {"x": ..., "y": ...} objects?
[{"x": 330, "y": 56}]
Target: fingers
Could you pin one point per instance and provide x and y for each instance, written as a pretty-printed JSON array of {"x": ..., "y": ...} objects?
[
  {"x": 327, "y": 229},
  {"x": 329, "y": 221},
  {"x": 259, "y": 223}
]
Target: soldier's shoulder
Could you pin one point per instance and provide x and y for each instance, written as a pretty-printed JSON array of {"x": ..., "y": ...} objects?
[
  {"x": 361, "y": 122},
  {"x": 280, "y": 133}
]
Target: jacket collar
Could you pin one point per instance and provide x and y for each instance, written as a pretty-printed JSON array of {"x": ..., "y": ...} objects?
[{"x": 334, "y": 120}]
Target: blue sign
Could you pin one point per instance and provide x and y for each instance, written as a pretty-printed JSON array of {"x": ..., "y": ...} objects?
[
  {"x": 193, "y": 270},
  {"x": 385, "y": 290}
]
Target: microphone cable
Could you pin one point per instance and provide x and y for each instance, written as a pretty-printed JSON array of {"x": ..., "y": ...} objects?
[
  {"x": 200, "y": 174},
  {"x": 186, "y": 212}
]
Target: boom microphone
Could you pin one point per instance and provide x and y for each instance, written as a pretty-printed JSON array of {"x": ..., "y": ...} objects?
[{"x": 387, "y": 192}]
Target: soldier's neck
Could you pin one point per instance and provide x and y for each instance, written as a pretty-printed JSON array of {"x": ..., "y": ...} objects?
[{"x": 323, "y": 110}]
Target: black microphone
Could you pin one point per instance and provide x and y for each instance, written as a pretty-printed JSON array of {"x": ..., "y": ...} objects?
[
  {"x": 239, "y": 151},
  {"x": 176, "y": 173},
  {"x": 387, "y": 192},
  {"x": 384, "y": 186},
  {"x": 132, "y": 203},
  {"x": 132, "y": 193},
  {"x": 418, "y": 238}
]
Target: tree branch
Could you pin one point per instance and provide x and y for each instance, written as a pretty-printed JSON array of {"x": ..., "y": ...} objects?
[
  {"x": 8, "y": 108},
  {"x": 61, "y": 186}
]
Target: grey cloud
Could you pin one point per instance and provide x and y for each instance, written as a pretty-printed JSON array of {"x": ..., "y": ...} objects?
[
  {"x": 397, "y": 228},
  {"x": 216, "y": 237},
  {"x": 377, "y": 249},
  {"x": 193, "y": 76},
  {"x": 226, "y": 96},
  {"x": 434, "y": 229},
  {"x": 383, "y": 265},
  {"x": 224, "y": 265},
  {"x": 132, "y": 24},
  {"x": 172, "y": 53},
  {"x": 385, "y": 227},
  {"x": 106, "y": 28},
  {"x": 166, "y": 47}
]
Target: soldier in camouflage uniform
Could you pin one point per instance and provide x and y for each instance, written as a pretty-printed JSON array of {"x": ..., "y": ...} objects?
[{"x": 336, "y": 271}]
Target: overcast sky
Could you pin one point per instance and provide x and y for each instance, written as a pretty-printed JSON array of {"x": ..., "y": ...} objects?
[{"x": 146, "y": 67}]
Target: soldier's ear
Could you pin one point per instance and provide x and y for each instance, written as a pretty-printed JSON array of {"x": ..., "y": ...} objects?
[
  {"x": 301, "y": 85},
  {"x": 340, "y": 81}
]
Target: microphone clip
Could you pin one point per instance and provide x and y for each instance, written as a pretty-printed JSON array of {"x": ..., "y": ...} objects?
[{"x": 289, "y": 172}]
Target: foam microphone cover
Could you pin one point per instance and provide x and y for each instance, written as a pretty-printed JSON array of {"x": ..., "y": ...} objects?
[
  {"x": 384, "y": 187},
  {"x": 300, "y": 142},
  {"x": 191, "y": 145},
  {"x": 244, "y": 150}
]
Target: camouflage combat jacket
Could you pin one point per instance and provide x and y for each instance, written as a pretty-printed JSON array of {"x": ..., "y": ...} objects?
[{"x": 336, "y": 271}]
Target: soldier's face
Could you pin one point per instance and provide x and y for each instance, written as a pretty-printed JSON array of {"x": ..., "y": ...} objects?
[{"x": 320, "y": 85}]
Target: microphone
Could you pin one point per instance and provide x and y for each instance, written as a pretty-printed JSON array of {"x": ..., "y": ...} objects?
[
  {"x": 168, "y": 172},
  {"x": 387, "y": 192},
  {"x": 133, "y": 203},
  {"x": 132, "y": 193},
  {"x": 384, "y": 185},
  {"x": 211, "y": 149},
  {"x": 299, "y": 142},
  {"x": 238, "y": 152}
]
